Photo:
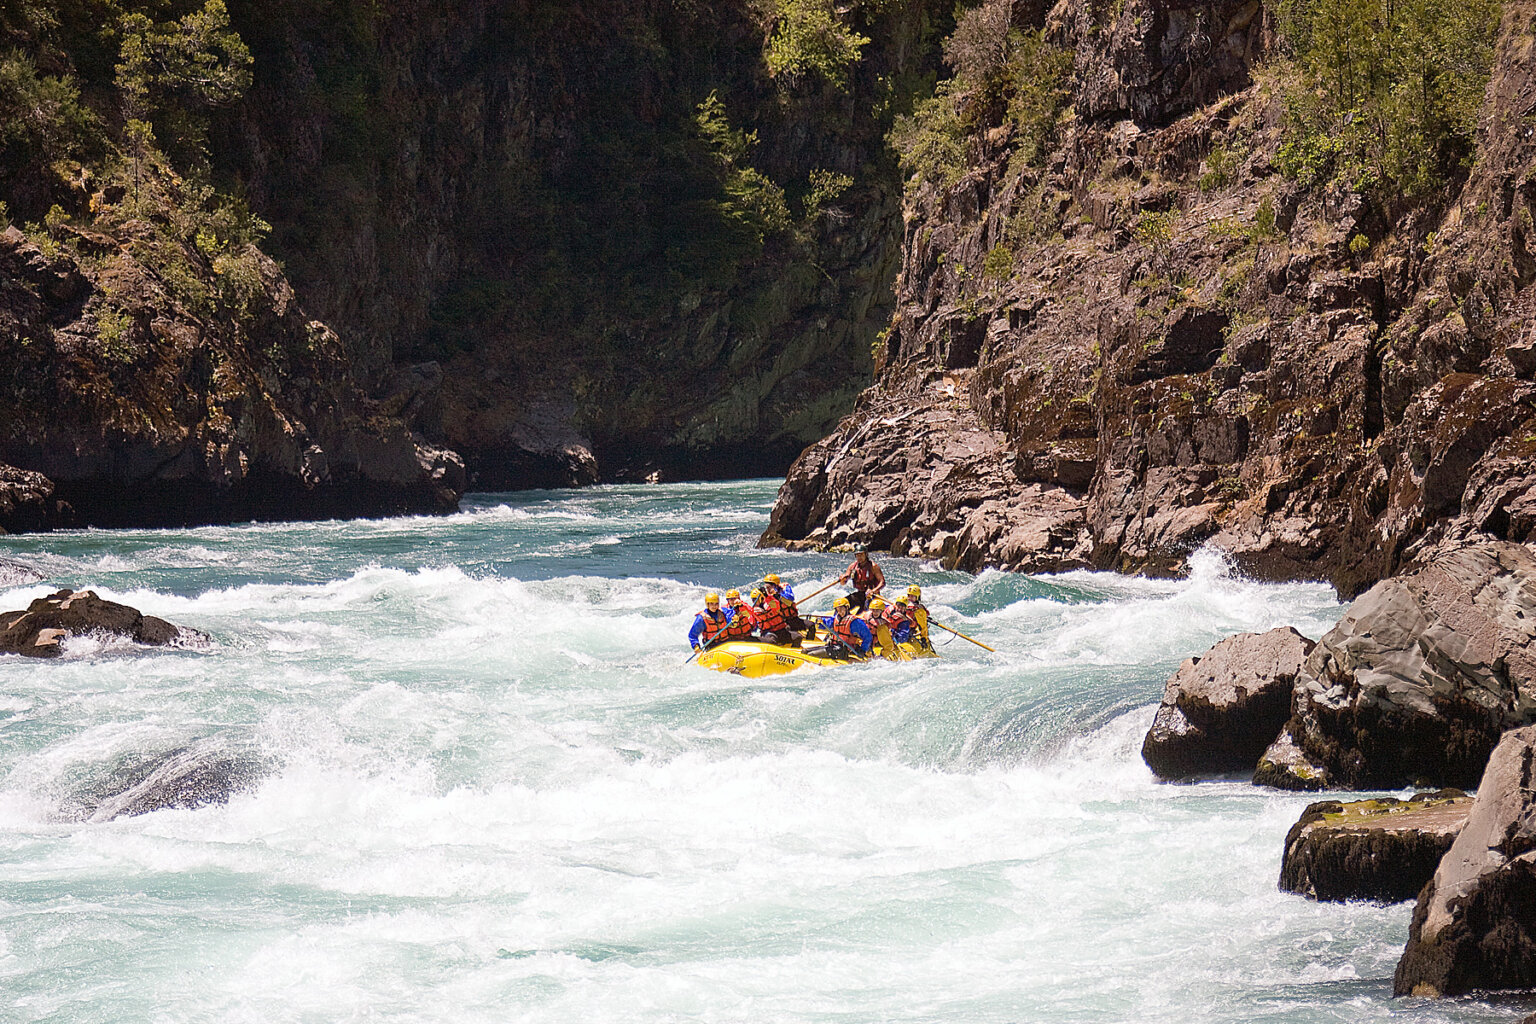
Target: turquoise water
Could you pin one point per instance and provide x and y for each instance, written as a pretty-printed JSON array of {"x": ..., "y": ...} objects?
[{"x": 484, "y": 787}]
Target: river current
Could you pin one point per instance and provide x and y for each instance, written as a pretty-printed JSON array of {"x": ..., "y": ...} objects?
[{"x": 482, "y": 785}]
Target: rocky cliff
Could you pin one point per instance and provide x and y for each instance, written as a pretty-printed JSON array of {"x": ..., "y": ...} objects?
[
  {"x": 634, "y": 249},
  {"x": 1157, "y": 324},
  {"x": 287, "y": 259}
]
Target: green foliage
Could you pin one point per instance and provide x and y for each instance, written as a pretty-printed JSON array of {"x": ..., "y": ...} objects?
[
  {"x": 112, "y": 330},
  {"x": 1359, "y": 245},
  {"x": 1391, "y": 90},
  {"x": 826, "y": 188},
  {"x": 1002, "y": 76},
  {"x": 44, "y": 127},
  {"x": 752, "y": 201},
  {"x": 1220, "y": 168},
  {"x": 810, "y": 38},
  {"x": 197, "y": 60},
  {"x": 931, "y": 141},
  {"x": 999, "y": 263},
  {"x": 1155, "y": 229}
]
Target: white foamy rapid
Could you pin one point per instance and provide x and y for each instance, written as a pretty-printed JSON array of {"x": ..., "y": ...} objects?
[{"x": 476, "y": 782}]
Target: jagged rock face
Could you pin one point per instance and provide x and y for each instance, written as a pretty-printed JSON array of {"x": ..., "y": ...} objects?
[
  {"x": 1384, "y": 850},
  {"x": 1192, "y": 352},
  {"x": 512, "y": 190},
  {"x": 128, "y": 408},
  {"x": 1221, "y": 710},
  {"x": 26, "y": 501},
  {"x": 1420, "y": 677},
  {"x": 40, "y": 630},
  {"x": 1474, "y": 928},
  {"x": 1157, "y": 60}
]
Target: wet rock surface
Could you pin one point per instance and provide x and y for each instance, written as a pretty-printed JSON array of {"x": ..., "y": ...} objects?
[
  {"x": 1220, "y": 711},
  {"x": 1423, "y": 673},
  {"x": 1383, "y": 850},
  {"x": 26, "y": 502},
  {"x": 1474, "y": 927},
  {"x": 42, "y": 628}
]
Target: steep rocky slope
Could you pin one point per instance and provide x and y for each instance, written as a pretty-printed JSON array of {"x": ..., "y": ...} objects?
[
  {"x": 1149, "y": 337},
  {"x": 527, "y": 195}
]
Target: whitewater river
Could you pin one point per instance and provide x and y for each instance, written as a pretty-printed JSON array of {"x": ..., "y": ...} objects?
[{"x": 483, "y": 786}]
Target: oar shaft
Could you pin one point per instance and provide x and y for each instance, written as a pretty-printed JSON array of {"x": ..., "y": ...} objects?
[{"x": 961, "y": 635}]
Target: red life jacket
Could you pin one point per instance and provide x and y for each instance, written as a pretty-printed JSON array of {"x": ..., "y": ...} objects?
[
  {"x": 896, "y": 616},
  {"x": 714, "y": 625},
  {"x": 772, "y": 614},
  {"x": 863, "y": 575},
  {"x": 844, "y": 629},
  {"x": 743, "y": 621}
]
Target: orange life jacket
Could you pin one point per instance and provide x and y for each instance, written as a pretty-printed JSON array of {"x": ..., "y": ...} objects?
[
  {"x": 773, "y": 613},
  {"x": 863, "y": 575},
  {"x": 743, "y": 621},
  {"x": 714, "y": 625},
  {"x": 843, "y": 627},
  {"x": 897, "y": 616}
]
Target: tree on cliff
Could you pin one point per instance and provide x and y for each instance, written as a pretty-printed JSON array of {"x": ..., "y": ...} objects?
[{"x": 1395, "y": 88}]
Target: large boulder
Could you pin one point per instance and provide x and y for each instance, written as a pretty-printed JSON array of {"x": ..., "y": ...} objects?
[
  {"x": 26, "y": 501},
  {"x": 40, "y": 630},
  {"x": 1420, "y": 677},
  {"x": 1474, "y": 928},
  {"x": 1221, "y": 710},
  {"x": 1383, "y": 850}
]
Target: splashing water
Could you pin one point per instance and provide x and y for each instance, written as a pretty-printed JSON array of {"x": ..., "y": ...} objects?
[{"x": 469, "y": 778}]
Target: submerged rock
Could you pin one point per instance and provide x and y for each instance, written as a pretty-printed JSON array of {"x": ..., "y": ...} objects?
[
  {"x": 1383, "y": 850},
  {"x": 1423, "y": 674},
  {"x": 1474, "y": 928},
  {"x": 1221, "y": 710},
  {"x": 40, "y": 630},
  {"x": 208, "y": 772},
  {"x": 18, "y": 574}
]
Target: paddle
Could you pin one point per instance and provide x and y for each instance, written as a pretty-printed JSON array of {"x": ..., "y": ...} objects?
[
  {"x": 807, "y": 597},
  {"x": 705, "y": 645},
  {"x": 961, "y": 635}
]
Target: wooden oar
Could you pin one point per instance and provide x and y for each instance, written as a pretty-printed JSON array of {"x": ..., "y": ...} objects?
[
  {"x": 961, "y": 635},
  {"x": 807, "y": 597}
]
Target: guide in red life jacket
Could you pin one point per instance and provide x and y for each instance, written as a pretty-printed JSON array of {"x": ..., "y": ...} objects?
[{"x": 866, "y": 577}]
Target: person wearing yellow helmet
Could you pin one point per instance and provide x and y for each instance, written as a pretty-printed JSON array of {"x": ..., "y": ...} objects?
[
  {"x": 743, "y": 619},
  {"x": 847, "y": 634},
  {"x": 919, "y": 614},
  {"x": 778, "y": 618},
  {"x": 898, "y": 616},
  {"x": 709, "y": 625}
]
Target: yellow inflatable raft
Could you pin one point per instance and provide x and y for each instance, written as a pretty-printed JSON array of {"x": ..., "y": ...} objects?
[{"x": 755, "y": 658}]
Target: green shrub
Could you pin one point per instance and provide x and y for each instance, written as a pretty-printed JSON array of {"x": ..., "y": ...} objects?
[
  {"x": 999, "y": 263},
  {"x": 1392, "y": 90},
  {"x": 1001, "y": 76},
  {"x": 1220, "y": 169},
  {"x": 810, "y": 38}
]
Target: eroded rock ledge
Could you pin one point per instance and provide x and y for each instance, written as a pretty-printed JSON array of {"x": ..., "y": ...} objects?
[
  {"x": 1383, "y": 850},
  {"x": 126, "y": 407}
]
